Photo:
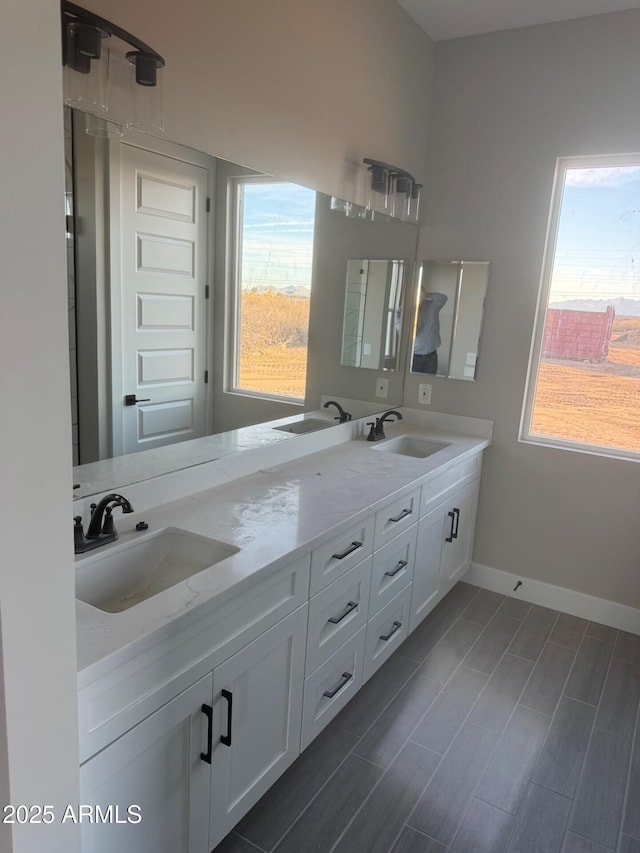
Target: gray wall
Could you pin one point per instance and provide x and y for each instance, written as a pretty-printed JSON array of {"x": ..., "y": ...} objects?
[{"x": 504, "y": 107}]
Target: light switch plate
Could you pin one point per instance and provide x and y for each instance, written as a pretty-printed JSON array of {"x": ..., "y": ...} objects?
[{"x": 424, "y": 394}]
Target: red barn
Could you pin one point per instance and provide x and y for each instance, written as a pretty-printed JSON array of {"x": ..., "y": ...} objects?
[{"x": 577, "y": 334}]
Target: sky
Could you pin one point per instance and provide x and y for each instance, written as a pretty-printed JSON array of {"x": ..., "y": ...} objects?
[
  {"x": 598, "y": 246},
  {"x": 278, "y": 220}
]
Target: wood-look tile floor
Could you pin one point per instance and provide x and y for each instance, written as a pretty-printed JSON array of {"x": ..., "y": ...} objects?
[{"x": 497, "y": 727}]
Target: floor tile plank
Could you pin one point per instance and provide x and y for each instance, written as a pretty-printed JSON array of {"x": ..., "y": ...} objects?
[
  {"x": 548, "y": 679},
  {"x": 541, "y": 823},
  {"x": 589, "y": 671},
  {"x": 429, "y": 632},
  {"x": 382, "y": 817},
  {"x": 387, "y": 736},
  {"x": 484, "y": 829},
  {"x": 412, "y": 841},
  {"x": 628, "y": 648},
  {"x": 632, "y": 814},
  {"x": 500, "y": 696},
  {"x": 483, "y": 607},
  {"x": 322, "y": 824},
  {"x": 233, "y": 843},
  {"x": 629, "y": 844},
  {"x": 568, "y": 631},
  {"x": 602, "y": 632},
  {"x": 515, "y": 608},
  {"x": 564, "y": 751},
  {"x": 450, "y": 651},
  {"x": 492, "y": 644},
  {"x": 507, "y": 777},
  {"x": 461, "y": 595},
  {"x": 442, "y": 807},
  {"x": 577, "y": 844},
  {"x": 619, "y": 701},
  {"x": 443, "y": 720},
  {"x": 599, "y": 800},
  {"x": 534, "y": 632}
]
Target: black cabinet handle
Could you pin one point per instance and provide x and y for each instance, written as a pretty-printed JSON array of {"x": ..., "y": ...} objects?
[
  {"x": 226, "y": 739},
  {"x": 353, "y": 547},
  {"x": 346, "y": 678},
  {"x": 449, "y": 538},
  {"x": 207, "y": 710},
  {"x": 403, "y": 514},
  {"x": 457, "y": 512},
  {"x": 350, "y": 606},
  {"x": 398, "y": 568},
  {"x": 395, "y": 627}
]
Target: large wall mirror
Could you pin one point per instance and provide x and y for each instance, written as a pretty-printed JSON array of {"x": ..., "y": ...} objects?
[
  {"x": 448, "y": 318},
  {"x": 151, "y": 312}
]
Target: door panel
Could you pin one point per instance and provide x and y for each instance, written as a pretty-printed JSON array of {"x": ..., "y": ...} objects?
[{"x": 161, "y": 275}]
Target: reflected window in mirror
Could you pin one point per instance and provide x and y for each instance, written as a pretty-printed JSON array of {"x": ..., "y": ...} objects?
[
  {"x": 274, "y": 231},
  {"x": 448, "y": 318},
  {"x": 372, "y": 314}
]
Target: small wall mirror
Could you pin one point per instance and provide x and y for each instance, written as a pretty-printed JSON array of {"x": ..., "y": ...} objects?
[
  {"x": 448, "y": 320},
  {"x": 372, "y": 314}
]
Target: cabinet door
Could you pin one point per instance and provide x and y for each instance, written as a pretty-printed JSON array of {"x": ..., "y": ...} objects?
[
  {"x": 426, "y": 572},
  {"x": 459, "y": 530},
  {"x": 157, "y": 766},
  {"x": 258, "y": 709}
]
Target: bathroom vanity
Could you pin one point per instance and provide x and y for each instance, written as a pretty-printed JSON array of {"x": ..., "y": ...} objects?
[{"x": 193, "y": 700}]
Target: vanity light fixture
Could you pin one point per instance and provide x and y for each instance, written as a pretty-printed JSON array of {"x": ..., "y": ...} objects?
[
  {"x": 392, "y": 192},
  {"x": 102, "y": 77}
]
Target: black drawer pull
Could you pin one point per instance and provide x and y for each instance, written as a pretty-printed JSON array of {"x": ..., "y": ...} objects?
[
  {"x": 457, "y": 512},
  {"x": 395, "y": 627},
  {"x": 398, "y": 568},
  {"x": 353, "y": 547},
  {"x": 346, "y": 678},
  {"x": 449, "y": 538},
  {"x": 403, "y": 514},
  {"x": 350, "y": 606},
  {"x": 208, "y": 711},
  {"x": 226, "y": 739}
]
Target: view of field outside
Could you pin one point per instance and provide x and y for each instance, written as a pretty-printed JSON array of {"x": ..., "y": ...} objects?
[
  {"x": 276, "y": 225},
  {"x": 588, "y": 384}
]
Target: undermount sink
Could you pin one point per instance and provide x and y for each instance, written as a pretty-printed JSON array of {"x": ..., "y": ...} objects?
[
  {"x": 131, "y": 572},
  {"x": 407, "y": 445},
  {"x": 307, "y": 425}
]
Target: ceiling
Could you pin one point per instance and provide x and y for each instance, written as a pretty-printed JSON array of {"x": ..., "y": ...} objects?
[{"x": 447, "y": 19}]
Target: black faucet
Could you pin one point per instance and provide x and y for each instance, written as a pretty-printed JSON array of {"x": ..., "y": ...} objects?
[
  {"x": 376, "y": 433},
  {"x": 344, "y": 416},
  {"x": 99, "y": 531}
]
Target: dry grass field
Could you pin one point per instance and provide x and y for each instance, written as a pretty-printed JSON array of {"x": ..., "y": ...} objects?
[
  {"x": 273, "y": 351},
  {"x": 594, "y": 403}
]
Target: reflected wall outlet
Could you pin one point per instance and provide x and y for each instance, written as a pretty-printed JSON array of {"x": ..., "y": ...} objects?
[
  {"x": 382, "y": 388},
  {"x": 424, "y": 394}
]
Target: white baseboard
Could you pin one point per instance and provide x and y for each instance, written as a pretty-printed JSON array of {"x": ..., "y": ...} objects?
[{"x": 557, "y": 597}]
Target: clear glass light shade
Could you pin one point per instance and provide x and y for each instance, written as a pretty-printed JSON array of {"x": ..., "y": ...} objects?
[
  {"x": 86, "y": 68},
  {"x": 146, "y": 99},
  {"x": 102, "y": 128},
  {"x": 379, "y": 196},
  {"x": 401, "y": 197},
  {"x": 414, "y": 205}
]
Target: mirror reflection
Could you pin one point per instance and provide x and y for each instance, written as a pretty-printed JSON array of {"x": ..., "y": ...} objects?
[
  {"x": 202, "y": 300},
  {"x": 448, "y": 318},
  {"x": 372, "y": 314}
]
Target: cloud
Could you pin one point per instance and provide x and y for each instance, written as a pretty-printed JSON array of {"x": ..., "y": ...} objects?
[{"x": 605, "y": 176}]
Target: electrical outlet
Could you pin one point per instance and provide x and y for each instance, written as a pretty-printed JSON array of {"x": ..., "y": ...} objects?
[
  {"x": 424, "y": 394},
  {"x": 382, "y": 388}
]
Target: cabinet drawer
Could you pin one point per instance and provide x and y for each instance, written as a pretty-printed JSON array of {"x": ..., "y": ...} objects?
[
  {"x": 386, "y": 631},
  {"x": 337, "y": 556},
  {"x": 331, "y": 686},
  {"x": 337, "y": 612},
  {"x": 396, "y": 517},
  {"x": 392, "y": 569},
  {"x": 438, "y": 489},
  {"x": 130, "y": 692}
]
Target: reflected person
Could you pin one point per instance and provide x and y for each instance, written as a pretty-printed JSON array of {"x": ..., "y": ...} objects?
[{"x": 427, "y": 339}]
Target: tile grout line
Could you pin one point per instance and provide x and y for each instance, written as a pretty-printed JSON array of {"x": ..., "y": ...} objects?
[
  {"x": 247, "y": 841},
  {"x": 634, "y": 740}
]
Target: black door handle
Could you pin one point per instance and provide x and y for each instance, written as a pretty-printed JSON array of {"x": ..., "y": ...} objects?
[
  {"x": 226, "y": 739},
  {"x": 131, "y": 400},
  {"x": 208, "y": 711},
  {"x": 452, "y": 516},
  {"x": 457, "y": 513}
]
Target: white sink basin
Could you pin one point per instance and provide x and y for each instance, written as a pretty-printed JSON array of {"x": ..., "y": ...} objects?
[
  {"x": 406, "y": 445},
  {"x": 307, "y": 425},
  {"x": 130, "y": 573}
]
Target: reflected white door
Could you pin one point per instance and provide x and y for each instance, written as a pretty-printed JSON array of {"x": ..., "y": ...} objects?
[{"x": 158, "y": 278}]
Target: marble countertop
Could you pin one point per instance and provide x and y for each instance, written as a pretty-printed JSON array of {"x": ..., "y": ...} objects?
[{"x": 273, "y": 516}]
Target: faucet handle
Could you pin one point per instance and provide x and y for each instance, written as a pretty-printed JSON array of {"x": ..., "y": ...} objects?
[{"x": 78, "y": 532}]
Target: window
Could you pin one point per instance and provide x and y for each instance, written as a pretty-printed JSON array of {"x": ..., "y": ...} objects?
[
  {"x": 584, "y": 376},
  {"x": 272, "y": 288}
]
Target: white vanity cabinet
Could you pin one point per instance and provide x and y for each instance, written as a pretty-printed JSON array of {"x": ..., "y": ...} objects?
[
  {"x": 157, "y": 766},
  {"x": 257, "y": 719}
]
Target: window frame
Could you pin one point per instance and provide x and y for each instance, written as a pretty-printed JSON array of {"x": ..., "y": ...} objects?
[
  {"x": 563, "y": 164},
  {"x": 234, "y": 292}
]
